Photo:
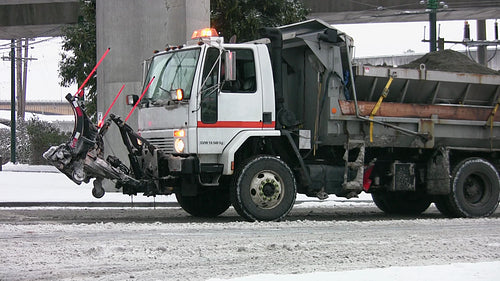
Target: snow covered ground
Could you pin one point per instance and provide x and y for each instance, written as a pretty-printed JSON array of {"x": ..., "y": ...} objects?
[
  {"x": 233, "y": 249},
  {"x": 25, "y": 183},
  {"x": 47, "y": 184}
]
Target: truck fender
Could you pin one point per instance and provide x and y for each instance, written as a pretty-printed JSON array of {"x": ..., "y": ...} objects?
[{"x": 227, "y": 155}]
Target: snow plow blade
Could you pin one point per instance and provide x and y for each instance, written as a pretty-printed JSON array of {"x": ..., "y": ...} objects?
[
  {"x": 69, "y": 157},
  {"x": 81, "y": 158}
]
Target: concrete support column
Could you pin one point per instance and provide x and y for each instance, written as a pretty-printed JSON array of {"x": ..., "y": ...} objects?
[
  {"x": 133, "y": 29},
  {"x": 185, "y": 16}
]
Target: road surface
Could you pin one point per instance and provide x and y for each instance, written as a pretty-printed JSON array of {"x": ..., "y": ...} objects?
[{"x": 124, "y": 243}]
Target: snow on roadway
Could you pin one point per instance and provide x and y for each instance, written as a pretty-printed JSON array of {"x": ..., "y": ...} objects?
[{"x": 22, "y": 183}]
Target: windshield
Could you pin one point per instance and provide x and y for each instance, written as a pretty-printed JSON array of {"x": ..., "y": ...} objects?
[{"x": 172, "y": 71}]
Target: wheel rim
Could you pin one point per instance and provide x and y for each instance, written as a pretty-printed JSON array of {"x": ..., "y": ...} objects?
[
  {"x": 266, "y": 189},
  {"x": 476, "y": 189}
]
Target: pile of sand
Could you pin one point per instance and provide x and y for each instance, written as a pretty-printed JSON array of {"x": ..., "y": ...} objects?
[{"x": 449, "y": 60}]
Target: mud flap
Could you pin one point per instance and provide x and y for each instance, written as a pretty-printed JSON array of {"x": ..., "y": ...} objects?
[{"x": 438, "y": 173}]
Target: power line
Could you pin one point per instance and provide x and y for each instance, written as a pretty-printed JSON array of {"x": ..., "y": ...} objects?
[
  {"x": 364, "y": 4},
  {"x": 381, "y": 7},
  {"x": 415, "y": 5},
  {"x": 31, "y": 44},
  {"x": 49, "y": 31}
]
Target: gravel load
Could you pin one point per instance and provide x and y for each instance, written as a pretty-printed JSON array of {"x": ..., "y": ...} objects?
[{"x": 449, "y": 60}]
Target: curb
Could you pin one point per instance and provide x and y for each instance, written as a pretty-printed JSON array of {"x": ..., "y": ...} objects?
[{"x": 90, "y": 204}]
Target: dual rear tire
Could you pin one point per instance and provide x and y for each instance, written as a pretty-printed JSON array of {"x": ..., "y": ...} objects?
[{"x": 475, "y": 190}]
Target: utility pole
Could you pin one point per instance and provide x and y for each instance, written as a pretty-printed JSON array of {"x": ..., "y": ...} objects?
[
  {"x": 19, "y": 79},
  {"x": 22, "y": 73},
  {"x": 481, "y": 37},
  {"x": 13, "y": 101},
  {"x": 25, "y": 73},
  {"x": 15, "y": 64}
]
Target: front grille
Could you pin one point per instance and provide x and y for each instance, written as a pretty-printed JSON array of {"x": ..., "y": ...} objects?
[{"x": 163, "y": 144}]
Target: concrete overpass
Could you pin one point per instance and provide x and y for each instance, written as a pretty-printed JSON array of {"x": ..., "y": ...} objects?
[
  {"x": 44, "y": 18},
  {"x": 372, "y": 11},
  {"x": 36, "y": 18}
]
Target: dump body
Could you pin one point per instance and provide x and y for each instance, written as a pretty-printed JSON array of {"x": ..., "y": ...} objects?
[
  {"x": 452, "y": 109},
  {"x": 423, "y": 109}
]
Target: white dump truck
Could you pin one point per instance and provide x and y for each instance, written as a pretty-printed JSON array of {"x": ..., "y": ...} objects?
[{"x": 253, "y": 124}]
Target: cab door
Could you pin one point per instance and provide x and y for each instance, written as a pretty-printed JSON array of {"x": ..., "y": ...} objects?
[{"x": 228, "y": 107}]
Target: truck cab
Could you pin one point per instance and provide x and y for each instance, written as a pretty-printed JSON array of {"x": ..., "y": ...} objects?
[
  {"x": 205, "y": 100},
  {"x": 212, "y": 108}
]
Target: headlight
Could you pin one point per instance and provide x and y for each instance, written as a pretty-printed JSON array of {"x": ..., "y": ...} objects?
[{"x": 179, "y": 145}]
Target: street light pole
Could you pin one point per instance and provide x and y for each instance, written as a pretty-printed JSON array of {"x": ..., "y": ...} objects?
[{"x": 432, "y": 5}]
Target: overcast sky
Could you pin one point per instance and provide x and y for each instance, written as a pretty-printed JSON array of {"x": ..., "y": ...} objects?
[{"x": 370, "y": 40}]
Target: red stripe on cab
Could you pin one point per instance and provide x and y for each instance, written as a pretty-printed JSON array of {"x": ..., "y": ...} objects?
[{"x": 236, "y": 124}]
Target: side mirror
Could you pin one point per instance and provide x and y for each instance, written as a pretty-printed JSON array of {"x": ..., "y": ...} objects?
[
  {"x": 132, "y": 99},
  {"x": 145, "y": 68},
  {"x": 230, "y": 66}
]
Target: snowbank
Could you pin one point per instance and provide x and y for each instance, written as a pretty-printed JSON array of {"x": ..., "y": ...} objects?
[
  {"x": 29, "y": 183},
  {"x": 483, "y": 271}
]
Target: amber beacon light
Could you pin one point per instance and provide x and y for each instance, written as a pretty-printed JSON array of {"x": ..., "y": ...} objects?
[{"x": 203, "y": 33}]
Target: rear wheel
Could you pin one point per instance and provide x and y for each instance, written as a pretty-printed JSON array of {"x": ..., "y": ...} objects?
[
  {"x": 475, "y": 189},
  {"x": 208, "y": 203},
  {"x": 401, "y": 203},
  {"x": 264, "y": 189}
]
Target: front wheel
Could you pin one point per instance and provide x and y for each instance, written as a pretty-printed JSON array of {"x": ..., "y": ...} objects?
[
  {"x": 264, "y": 189},
  {"x": 475, "y": 189}
]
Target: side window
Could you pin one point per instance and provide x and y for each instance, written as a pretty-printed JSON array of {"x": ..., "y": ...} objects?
[
  {"x": 210, "y": 86},
  {"x": 245, "y": 73}
]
